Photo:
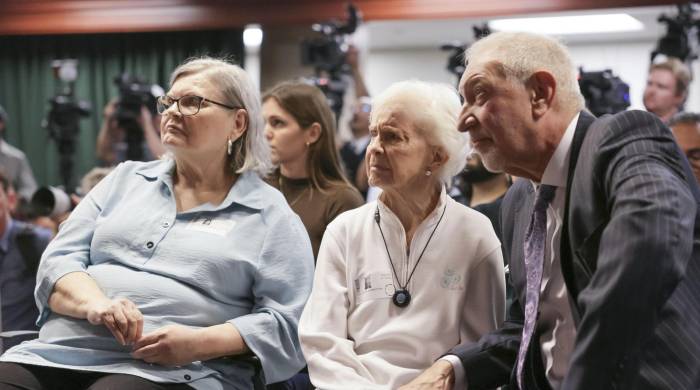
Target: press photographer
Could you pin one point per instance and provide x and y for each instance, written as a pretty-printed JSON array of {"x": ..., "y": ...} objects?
[
  {"x": 15, "y": 163},
  {"x": 130, "y": 125},
  {"x": 667, "y": 88},
  {"x": 669, "y": 73}
]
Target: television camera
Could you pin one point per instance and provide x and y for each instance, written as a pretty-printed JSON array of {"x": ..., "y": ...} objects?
[
  {"x": 134, "y": 93},
  {"x": 63, "y": 119},
  {"x": 327, "y": 52},
  {"x": 679, "y": 41},
  {"x": 604, "y": 92}
]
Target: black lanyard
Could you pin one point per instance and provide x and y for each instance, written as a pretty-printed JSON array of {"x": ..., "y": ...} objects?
[{"x": 402, "y": 297}]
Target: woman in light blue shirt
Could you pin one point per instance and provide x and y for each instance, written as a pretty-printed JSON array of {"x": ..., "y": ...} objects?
[{"x": 167, "y": 266}]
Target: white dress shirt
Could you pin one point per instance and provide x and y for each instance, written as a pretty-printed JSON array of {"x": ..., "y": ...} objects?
[{"x": 556, "y": 324}]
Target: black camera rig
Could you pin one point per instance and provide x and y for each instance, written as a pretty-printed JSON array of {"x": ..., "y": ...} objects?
[
  {"x": 134, "y": 93},
  {"x": 604, "y": 92},
  {"x": 679, "y": 41},
  {"x": 455, "y": 62},
  {"x": 63, "y": 119},
  {"x": 327, "y": 53}
]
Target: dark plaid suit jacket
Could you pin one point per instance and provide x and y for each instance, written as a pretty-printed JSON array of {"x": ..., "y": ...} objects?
[{"x": 630, "y": 256}]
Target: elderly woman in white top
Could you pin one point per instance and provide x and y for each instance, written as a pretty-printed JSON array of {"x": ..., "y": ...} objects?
[
  {"x": 402, "y": 280},
  {"x": 167, "y": 266}
]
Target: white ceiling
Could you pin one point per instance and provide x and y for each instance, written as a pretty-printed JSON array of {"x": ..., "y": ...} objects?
[{"x": 433, "y": 33}]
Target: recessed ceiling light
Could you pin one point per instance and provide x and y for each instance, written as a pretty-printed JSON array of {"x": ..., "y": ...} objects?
[
  {"x": 252, "y": 35},
  {"x": 561, "y": 25}
]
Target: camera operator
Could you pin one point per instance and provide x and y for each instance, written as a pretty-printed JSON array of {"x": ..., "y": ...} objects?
[
  {"x": 113, "y": 141},
  {"x": 353, "y": 152},
  {"x": 667, "y": 88},
  {"x": 15, "y": 164}
]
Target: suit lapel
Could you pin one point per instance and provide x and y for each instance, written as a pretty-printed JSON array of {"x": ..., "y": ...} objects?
[{"x": 584, "y": 122}]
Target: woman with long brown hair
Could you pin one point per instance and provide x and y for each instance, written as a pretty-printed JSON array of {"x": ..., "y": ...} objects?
[{"x": 300, "y": 127}]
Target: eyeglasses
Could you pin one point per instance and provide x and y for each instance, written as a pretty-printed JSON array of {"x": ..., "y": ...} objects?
[
  {"x": 363, "y": 107},
  {"x": 187, "y": 105},
  {"x": 693, "y": 154}
]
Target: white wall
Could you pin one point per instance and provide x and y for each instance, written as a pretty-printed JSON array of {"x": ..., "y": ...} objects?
[
  {"x": 627, "y": 60},
  {"x": 384, "y": 67}
]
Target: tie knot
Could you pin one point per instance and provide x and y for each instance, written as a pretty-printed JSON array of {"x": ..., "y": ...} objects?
[{"x": 545, "y": 194}]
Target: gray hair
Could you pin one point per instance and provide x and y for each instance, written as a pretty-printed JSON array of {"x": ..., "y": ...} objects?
[
  {"x": 690, "y": 118},
  {"x": 522, "y": 54},
  {"x": 92, "y": 178},
  {"x": 434, "y": 109},
  {"x": 250, "y": 151}
]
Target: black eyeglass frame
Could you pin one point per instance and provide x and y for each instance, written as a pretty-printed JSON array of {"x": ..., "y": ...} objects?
[
  {"x": 199, "y": 106},
  {"x": 693, "y": 154}
]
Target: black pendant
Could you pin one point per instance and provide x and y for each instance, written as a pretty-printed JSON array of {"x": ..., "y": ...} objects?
[{"x": 401, "y": 298}]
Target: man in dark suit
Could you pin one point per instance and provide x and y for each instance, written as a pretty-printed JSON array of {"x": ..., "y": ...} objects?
[{"x": 602, "y": 234}]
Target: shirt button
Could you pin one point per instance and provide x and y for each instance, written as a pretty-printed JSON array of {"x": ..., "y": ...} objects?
[
  {"x": 165, "y": 224},
  {"x": 149, "y": 244},
  {"x": 188, "y": 377}
]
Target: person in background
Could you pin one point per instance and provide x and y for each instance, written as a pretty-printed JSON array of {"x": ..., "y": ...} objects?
[
  {"x": 89, "y": 181},
  {"x": 352, "y": 152},
  {"x": 300, "y": 128},
  {"x": 481, "y": 190},
  {"x": 401, "y": 280},
  {"x": 114, "y": 142},
  {"x": 15, "y": 163},
  {"x": 601, "y": 230},
  {"x": 167, "y": 268},
  {"x": 667, "y": 88},
  {"x": 21, "y": 246},
  {"x": 686, "y": 130}
]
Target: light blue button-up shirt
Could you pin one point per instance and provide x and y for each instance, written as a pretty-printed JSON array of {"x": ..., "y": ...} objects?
[{"x": 247, "y": 261}]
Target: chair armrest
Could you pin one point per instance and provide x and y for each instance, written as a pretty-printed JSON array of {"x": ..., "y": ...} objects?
[
  {"x": 15, "y": 333},
  {"x": 254, "y": 361}
]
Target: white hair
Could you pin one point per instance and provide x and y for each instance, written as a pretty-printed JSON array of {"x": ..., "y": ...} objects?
[
  {"x": 434, "y": 110},
  {"x": 522, "y": 54},
  {"x": 251, "y": 150},
  {"x": 90, "y": 180}
]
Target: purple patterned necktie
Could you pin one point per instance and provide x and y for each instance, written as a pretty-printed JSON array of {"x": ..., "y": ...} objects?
[{"x": 535, "y": 238}]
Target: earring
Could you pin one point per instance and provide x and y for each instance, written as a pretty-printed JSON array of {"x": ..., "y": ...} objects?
[
  {"x": 428, "y": 172},
  {"x": 229, "y": 147},
  {"x": 307, "y": 145}
]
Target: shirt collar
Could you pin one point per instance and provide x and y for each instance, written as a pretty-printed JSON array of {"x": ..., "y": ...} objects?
[
  {"x": 557, "y": 169},
  {"x": 244, "y": 191},
  {"x": 5, "y": 239}
]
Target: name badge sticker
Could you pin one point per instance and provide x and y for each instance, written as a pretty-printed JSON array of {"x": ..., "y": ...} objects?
[
  {"x": 373, "y": 286},
  {"x": 218, "y": 226}
]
